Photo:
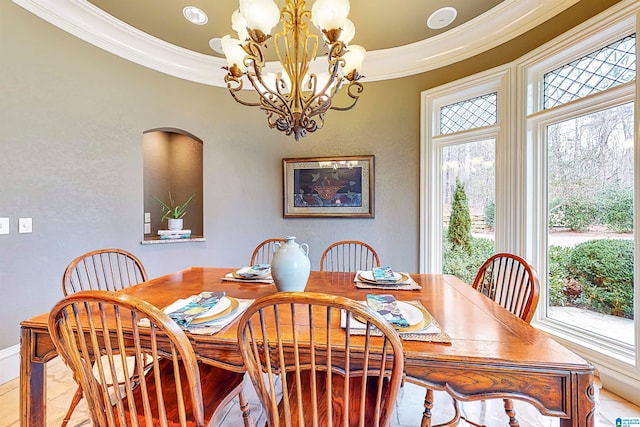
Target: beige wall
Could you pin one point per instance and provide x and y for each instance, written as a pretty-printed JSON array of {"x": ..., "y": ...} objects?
[{"x": 71, "y": 123}]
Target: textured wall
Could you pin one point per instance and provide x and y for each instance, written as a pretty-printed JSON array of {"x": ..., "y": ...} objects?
[
  {"x": 71, "y": 123},
  {"x": 72, "y": 119}
]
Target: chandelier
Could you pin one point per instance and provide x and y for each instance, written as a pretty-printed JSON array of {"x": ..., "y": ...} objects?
[{"x": 294, "y": 97}]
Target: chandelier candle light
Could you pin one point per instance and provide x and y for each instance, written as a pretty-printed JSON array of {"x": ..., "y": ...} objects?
[{"x": 295, "y": 98}]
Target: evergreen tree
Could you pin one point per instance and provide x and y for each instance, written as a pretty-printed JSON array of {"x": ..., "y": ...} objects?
[{"x": 459, "y": 233}]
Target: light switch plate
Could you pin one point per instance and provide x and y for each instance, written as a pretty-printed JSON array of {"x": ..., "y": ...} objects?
[
  {"x": 4, "y": 225},
  {"x": 25, "y": 225},
  {"x": 147, "y": 228},
  {"x": 147, "y": 217}
]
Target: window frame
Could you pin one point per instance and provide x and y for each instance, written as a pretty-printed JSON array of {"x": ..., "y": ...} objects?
[
  {"x": 432, "y": 143},
  {"x": 520, "y": 217},
  {"x": 566, "y": 49}
]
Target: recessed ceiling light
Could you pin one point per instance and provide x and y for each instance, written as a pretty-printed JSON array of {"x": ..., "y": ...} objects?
[
  {"x": 441, "y": 18},
  {"x": 195, "y": 15},
  {"x": 216, "y": 45}
]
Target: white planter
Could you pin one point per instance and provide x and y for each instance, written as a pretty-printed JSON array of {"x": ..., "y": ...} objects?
[{"x": 175, "y": 223}]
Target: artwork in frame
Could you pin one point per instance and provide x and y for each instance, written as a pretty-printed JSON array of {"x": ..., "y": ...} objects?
[{"x": 329, "y": 187}]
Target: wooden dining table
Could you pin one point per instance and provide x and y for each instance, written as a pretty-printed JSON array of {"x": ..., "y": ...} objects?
[{"x": 491, "y": 353}]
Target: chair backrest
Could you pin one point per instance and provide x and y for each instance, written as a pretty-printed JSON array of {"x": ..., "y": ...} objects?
[
  {"x": 349, "y": 255},
  {"x": 103, "y": 269},
  {"x": 263, "y": 253},
  {"x": 78, "y": 324},
  {"x": 332, "y": 376},
  {"x": 510, "y": 281}
]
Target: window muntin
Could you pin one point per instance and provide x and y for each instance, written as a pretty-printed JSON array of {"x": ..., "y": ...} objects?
[
  {"x": 603, "y": 69},
  {"x": 469, "y": 114}
]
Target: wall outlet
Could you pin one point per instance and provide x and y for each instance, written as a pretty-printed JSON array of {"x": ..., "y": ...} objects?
[
  {"x": 147, "y": 217},
  {"x": 147, "y": 228},
  {"x": 4, "y": 225},
  {"x": 25, "y": 225}
]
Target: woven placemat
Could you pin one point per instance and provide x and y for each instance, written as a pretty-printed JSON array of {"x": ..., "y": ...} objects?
[
  {"x": 229, "y": 278},
  {"x": 439, "y": 337},
  {"x": 407, "y": 285},
  {"x": 411, "y": 286}
]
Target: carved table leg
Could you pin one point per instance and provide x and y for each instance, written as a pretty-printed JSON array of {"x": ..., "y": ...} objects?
[
  {"x": 582, "y": 403},
  {"x": 32, "y": 383}
]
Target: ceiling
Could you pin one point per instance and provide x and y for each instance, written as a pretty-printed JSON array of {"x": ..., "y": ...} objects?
[
  {"x": 155, "y": 34},
  {"x": 378, "y": 26}
]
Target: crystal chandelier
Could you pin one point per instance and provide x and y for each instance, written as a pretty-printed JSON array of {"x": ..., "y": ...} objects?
[{"x": 295, "y": 98}]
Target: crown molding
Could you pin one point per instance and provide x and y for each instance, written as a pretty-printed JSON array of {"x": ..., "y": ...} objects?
[{"x": 504, "y": 22}]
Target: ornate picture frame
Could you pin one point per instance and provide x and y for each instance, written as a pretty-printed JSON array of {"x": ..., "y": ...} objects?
[{"x": 329, "y": 186}]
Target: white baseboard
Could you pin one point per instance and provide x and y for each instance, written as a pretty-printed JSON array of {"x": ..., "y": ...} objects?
[{"x": 9, "y": 363}]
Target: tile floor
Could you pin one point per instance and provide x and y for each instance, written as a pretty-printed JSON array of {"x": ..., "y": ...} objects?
[{"x": 408, "y": 411}]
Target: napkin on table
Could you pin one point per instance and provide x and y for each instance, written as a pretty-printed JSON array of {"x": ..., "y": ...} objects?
[
  {"x": 432, "y": 333},
  {"x": 213, "y": 326}
]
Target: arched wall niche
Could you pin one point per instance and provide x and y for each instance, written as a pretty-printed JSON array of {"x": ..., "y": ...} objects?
[{"x": 172, "y": 164}]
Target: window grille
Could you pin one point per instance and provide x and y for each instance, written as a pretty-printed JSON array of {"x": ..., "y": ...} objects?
[
  {"x": 469, "y": 114},
  {"x": 600, "y": 70}
]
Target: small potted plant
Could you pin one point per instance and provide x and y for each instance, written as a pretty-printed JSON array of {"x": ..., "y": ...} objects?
[{"x": 174, "y": 212}]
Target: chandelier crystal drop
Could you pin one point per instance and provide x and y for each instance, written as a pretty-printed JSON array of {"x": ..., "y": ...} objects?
[{"x": 295, "y": 97}]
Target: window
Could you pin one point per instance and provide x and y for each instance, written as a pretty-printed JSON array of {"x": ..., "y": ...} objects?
[
  {"x": 463, "y": 132},
  {"x": 564, "y": 167},
  {"x": 582, "y": 137}
]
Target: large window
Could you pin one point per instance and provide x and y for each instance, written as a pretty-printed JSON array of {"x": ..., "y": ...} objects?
[
  {"x": 581, "y": 131},
  {"x": 590, "y": 223},
  {"x": 546, "y": 151},
  {"x": 464, "y": 135},
  {"x": 468, "y": 206}
]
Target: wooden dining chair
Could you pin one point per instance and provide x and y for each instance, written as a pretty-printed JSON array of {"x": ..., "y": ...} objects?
[
  {"x": 327, "y": 375},
  {"x": 109, "y": 269},
  {"x": 349, "y": 255},
  {"x": 176, "y": 390},
  {"x": 512, "y": 282},
  {"x": 263, "y": 253}
]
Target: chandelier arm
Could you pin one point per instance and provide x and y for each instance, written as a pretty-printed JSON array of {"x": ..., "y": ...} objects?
[
  {"x": 353, "y": 90},
  {"x": 270, "y": 100},
  {"x": 254, "y": 60},
  {"x": 230, "y": 80},
  {"x": 321, "y": 98},
  {"x": 317, "y": 104}
]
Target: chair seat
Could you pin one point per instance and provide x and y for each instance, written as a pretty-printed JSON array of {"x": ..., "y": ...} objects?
[
  {"x": 219, "y": 387},
  {"x": 337, "y": 399}
]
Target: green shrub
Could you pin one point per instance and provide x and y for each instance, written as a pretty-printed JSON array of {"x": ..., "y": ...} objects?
[
  {"x": 459, "y": 232},
  {"x": 604, "y": 269},
  {"x": 578, "y": 213},
  {"x": 490, "y": 214},
  {"x": 465, "y": 265},
  {"x": 558, "y": 274},
  {"x": 615, "y": 209}
]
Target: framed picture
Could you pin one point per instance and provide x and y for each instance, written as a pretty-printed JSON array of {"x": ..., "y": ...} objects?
[{"x": 329, "y": 187}]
